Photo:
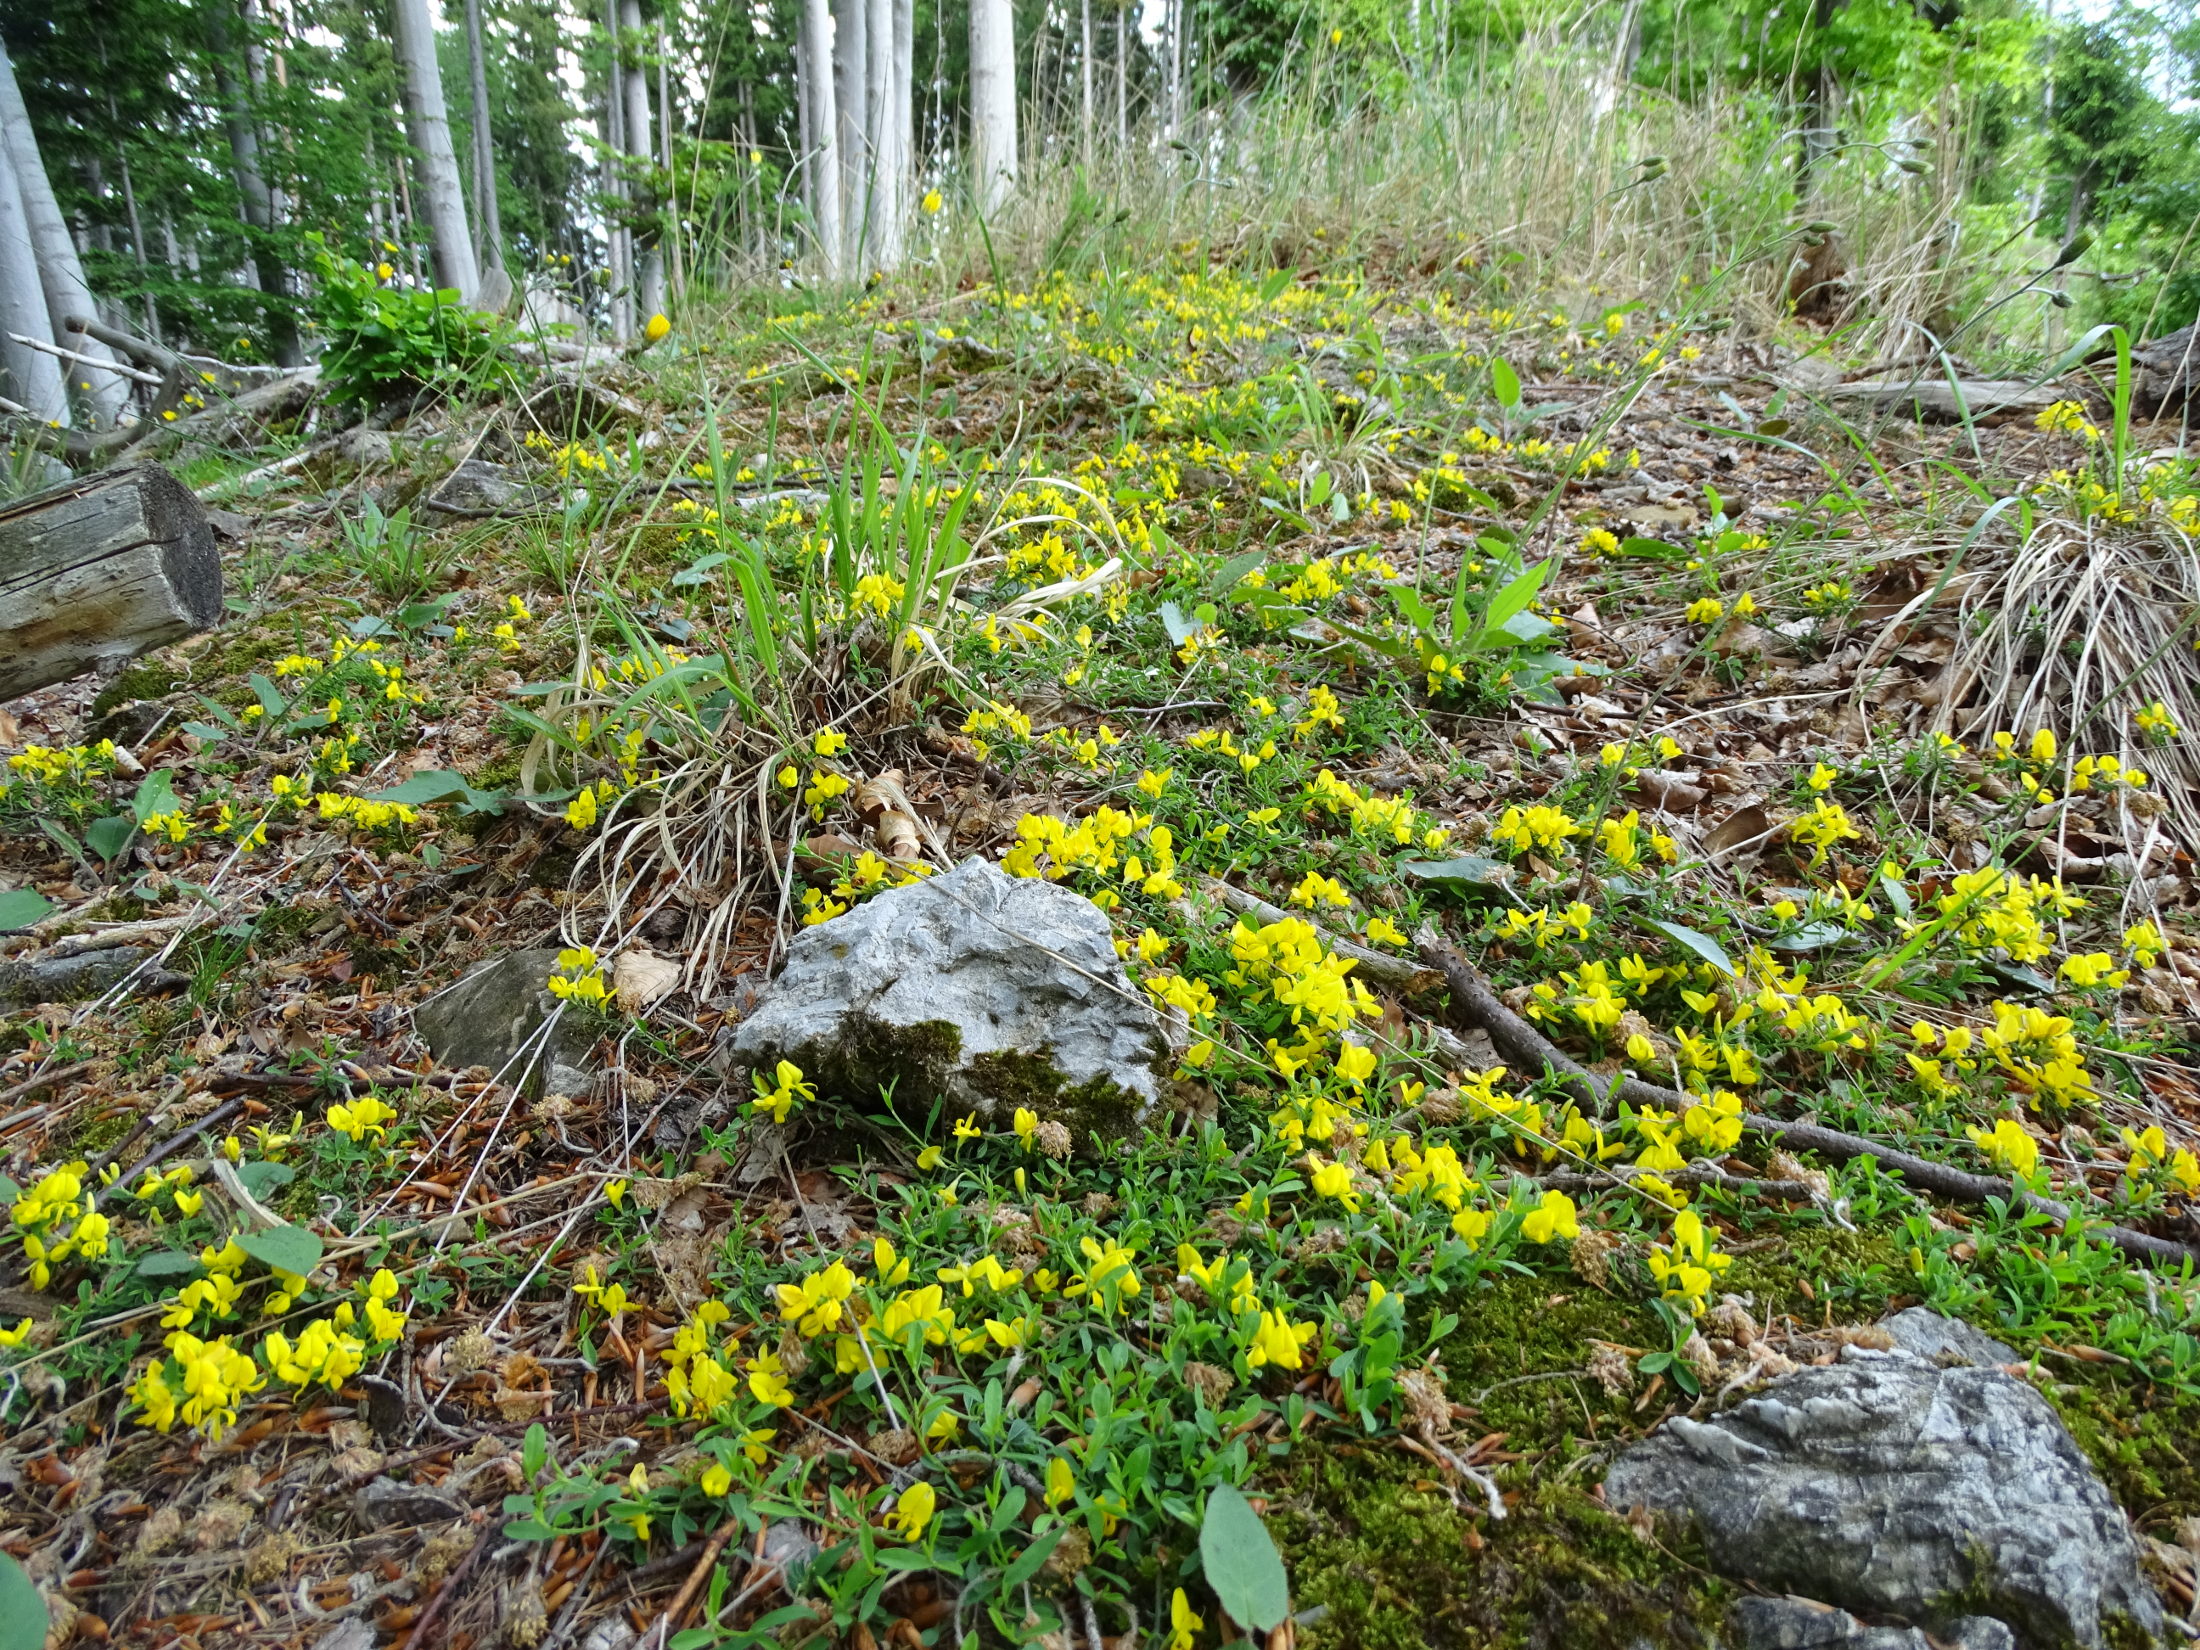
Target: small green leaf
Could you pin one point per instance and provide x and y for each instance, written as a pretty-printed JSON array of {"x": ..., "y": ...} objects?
[
  {"x": 1468, "y": 873},
  {"x": 285, "y": 1248},
  {"x": 1504, "y": 383},
  {"x": 166, "y": 1263},
  {"x": 23, "y": 1620},
  {"x": 156, "y": 794},
  {"x": 262, "y": 1178},
  {"x": 1028, "y": 1562},
  {"x": 108, "y": 837},
  {"x": 1812, "y": 936},
  {"x": 20, "y": 907},
  {"x": 1702, "y": 944},
  {"x": 1241, "y": 1562},
  {"x": 1180, "y": 629}
]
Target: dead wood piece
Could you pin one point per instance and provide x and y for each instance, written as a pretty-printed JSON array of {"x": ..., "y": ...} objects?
[
  {"x": 99, "y": 570},
  {"x": 1474, "y": 1002},
  {"x": 1986, "y": 400}
]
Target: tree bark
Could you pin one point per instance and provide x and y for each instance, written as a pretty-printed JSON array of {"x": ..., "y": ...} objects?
[
  {"x": 1084, "y": 83},
  {"x": 251, "y": 181},
  {"x": 486, "y": 215},
  {"x": 32, "y": 378},
  {"x": 852, "y": 86},
  {"x": 670, "y": 237},
  {"x": 641, "y": 146},
  {"x": 878, "y": 30},
  {"x": 428, "y": 124},
  {"x": 99, "y": 570},
  {"x": 60, "y": 271},
  {"x": 993, "y": 163},
  {"x": 1122, "y": 78},
  {"x": 824, "y": 151}
]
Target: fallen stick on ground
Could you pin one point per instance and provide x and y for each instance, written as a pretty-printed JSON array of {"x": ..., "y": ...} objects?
[{"x": 1473, "y": 1001}]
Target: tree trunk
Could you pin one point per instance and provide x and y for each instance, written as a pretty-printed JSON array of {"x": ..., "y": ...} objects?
[
  {"x": 670, "y": 238},
  {"x": 486, "y": 215},
  {"x": 99, "y": 570},
  {"x": 1084, "y": 83},
  {"x": 852, "y": 86},
  {"x": 33, "y": 378},
  {"x": 824, "y": 152},
  {"x": 60, "y": 271},
  {"x": 902, "y": 87},
  {"x": 640, "y": 146},
  {"x": 1122, "y": 78},
  {"x": 252, "y": 190},
  {"x": 992, "y": 103},
  {"x": 428, "y": 124}
]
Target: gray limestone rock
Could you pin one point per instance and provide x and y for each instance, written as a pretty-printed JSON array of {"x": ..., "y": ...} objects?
[
  {"x": 494, "y": 1013},
  {"x": 1942, "y": 1340},
  {"x": 1894, "y": 1486},
  {"x": 1792, "y": 1623},
  {"x": 73, "y": 979},
  {"x": 384, "y": 1503},
  {"x": 480, "y": 488},
  {"x": 989, "y": 990}
]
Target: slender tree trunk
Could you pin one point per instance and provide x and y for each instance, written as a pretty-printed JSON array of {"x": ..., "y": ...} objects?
[
  {"x": 32, "y": 377},
  {"x": 60, "y": 270},
  {"x": 1084, "y": 83},
  {"x": 619, "y": 240},
  {"x": 824, "y": 152},
  {"x": 634, "y": 82},
  {"x": 252, "y": 190},
  {"x": 902, "y": 87},
  {"x": 428, "y": 124},
  {"x": 487, "y": 219},
  {"x": 852, "y": 87},
  {"x": 1122, "y": 78},
  {"x": 137, "y": 250},
  {"x": 992, "y": 102},
  {"x": 671, "y": 237}
]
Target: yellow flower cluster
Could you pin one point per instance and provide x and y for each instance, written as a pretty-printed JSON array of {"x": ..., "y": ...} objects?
[
  {"x": 1374, "y": 816},
  {"x": 579, "y": 978},
  {"x": 56, "y": 1222},
  {"x": 211, "y": 1379},
  {"x": 2153, "y": 1158},
  {"x": 868, "y": 875},
  {"x": 1688, "y": 1268},
  {"x": 1288, "y": 957},
  {"x": 2038, "y": 1052},
  {"x": 777, "y": 1096},
  {"x": 2007, "y": 1147},
  {"x": 57, "y": 765},
  {"x": 1521, "y": 829},
  {"x": 1990, "y": 908}
]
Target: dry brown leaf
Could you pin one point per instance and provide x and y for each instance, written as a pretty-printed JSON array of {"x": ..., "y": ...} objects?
[{"x": 641, "y": 978}]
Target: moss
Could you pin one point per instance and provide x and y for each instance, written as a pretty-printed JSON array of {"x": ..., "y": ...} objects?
[
  {"x": 1368, "y": 1535},
  {"x": 1011, "y": 1078},
  {"x": 501, "y": 773},
  {"x": 2142, "y": 1437}
]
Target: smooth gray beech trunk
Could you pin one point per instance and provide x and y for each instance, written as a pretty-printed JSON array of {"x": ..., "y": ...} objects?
[
  {"x": 60, "y": 271},
  {"x": 993, "y": 160},
  {"x": 486, "y": 215},
  {"x": 824, "y": 153},
  {"x": 649, "y": 275},
  {"x": 851, "y": 85},
  {"x": 442, "y": 196},
  {"x": 33, "y": 378}
]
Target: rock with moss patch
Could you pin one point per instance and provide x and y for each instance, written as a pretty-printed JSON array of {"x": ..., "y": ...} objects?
[
  {"x": 1896, "y": 1485},
  {"x": 494, "y": 1017},
  {"x": 987, "y": 990}
]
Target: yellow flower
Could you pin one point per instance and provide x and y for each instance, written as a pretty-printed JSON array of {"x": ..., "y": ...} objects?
[
  {"x": 914, "y": 1508},
  {"x": 16, "y": 1336},
  {"x": 361, "y": 1118},
  {"x": 1334, "y": 1180},
  {"x": 1185, "y": 1622},
  {"x": 657, "y": 328},
  {"x": 1061, "y": 1483},
  {"x": 716, "y": 1480},
  {"x": 615, "y": 1190},
  {"x": 1705, "y": 609},
  {"x": 932, "y": 201},
  {"x": 1552, "y": 1219}
]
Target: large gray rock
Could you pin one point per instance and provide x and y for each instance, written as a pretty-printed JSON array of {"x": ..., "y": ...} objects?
[
  {"x": 989, "y": 990},
  {"x": 1940, "y": 1340},
  {"x": 1805, "y": 1624},
  {"x": 1894, "y": 1486},
  {"x": 493, "y": 1017}
]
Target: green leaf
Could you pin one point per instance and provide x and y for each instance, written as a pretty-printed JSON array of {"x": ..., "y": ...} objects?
[
  {"x": 1653, "y": 549},
  {"x": 108, "y": 837},
  {"x": 20, "y": 907},
  {"x": 262, "y": 1178},
  {"x": 1812, "y": 936},
  {"x": 1702, "y": 944},
  {"x": 285, "y": 1248},
  {"x": 1504, "y": 383},
  {"x": 528, "y": 1529},
  {"x": 1233, "y": 571},
  {"x": 166, "y": 1263},
  {"x": 442, "y": 785},
  {"x": 23, "y": 1619},
  {"x": 1467, "y": 874},
  {"x": 156, "y": 794},
  {"x": 1241, "y": 1562},
  {"x": 272, "y": 702},
  {"x": 1031, "y": 1558},
  {"x": 1180, "y": 629}
]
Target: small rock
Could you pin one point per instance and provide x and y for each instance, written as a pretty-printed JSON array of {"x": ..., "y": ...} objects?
[
  {"x": 479, "y": 488},
  {"x": 488, "y": 1017},
  {"x": 1890, "y": 1485},
  {"x": 989, "y": 990},
  {"x": 1804, "y": 1624},
  {"x": 384, "y": 1503},
  {"x": 1946, "y": 1340},
  {"x": 352, "y": 1633},
  {"x": 69, "y": 979},
  {"x": 368, "y": 449},
  {"x": 130, "y": 723}
]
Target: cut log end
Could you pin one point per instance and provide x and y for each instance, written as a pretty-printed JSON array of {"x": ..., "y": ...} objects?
[{"x": 100, "y": 570}]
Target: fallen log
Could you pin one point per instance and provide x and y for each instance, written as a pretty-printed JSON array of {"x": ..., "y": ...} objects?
[
  {"x": 101, "y": 569},
  {"x": 1475, "y": 1003}
]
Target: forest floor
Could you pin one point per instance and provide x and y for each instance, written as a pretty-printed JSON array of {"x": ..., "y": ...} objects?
[{"x": 313, "y": 1341}]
